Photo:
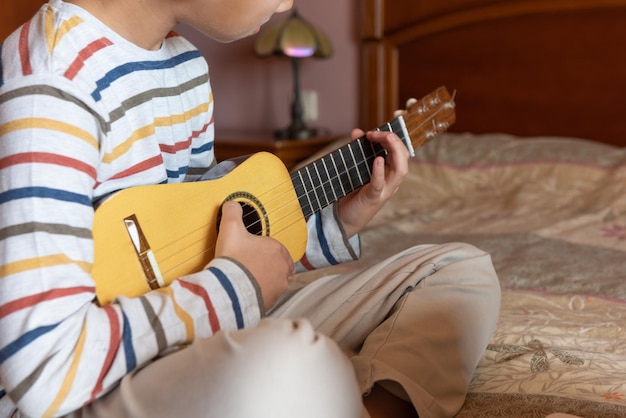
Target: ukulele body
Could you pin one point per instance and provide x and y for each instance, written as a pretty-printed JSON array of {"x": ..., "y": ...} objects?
[
  {"x": 145, "y": 237},
  {"x": 163, "y": 232}
]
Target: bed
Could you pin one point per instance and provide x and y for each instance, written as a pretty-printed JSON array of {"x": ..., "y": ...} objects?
[{"x": 533, "y": 171}]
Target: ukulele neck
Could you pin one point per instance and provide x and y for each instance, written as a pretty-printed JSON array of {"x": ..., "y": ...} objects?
[{"x": 326, "y": 180}]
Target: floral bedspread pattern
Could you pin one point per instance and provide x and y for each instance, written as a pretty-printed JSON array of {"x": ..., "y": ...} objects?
[
  {"x": 558, "y": 346},
  {"x": 552, "y": 214}
]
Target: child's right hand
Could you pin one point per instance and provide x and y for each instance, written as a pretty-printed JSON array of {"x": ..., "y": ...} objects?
[{"x": 266, "y": 258}]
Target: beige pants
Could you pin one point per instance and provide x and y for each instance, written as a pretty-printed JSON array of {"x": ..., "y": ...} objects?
[{"x": 417, "y": 323}]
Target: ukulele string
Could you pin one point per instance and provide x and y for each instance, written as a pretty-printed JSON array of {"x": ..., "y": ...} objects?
[
  {"x": 320, "y": 187},
  {"x": 415, "y": 127},
  {"x": 278, "y": 221}
]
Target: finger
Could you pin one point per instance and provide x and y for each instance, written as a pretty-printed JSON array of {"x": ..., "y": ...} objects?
[
  {"x": 397, "y": 152},
  {"x": 390, "y": 141},
  {"x": 396, "y": 147},
  {"x": 232, "y": 215},
  {"x": 377, "y": 181},
  {"x": 356, "y": 133}
]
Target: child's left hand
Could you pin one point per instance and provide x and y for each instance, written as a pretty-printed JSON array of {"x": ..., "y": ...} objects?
[{"x": 359, "y": 207}]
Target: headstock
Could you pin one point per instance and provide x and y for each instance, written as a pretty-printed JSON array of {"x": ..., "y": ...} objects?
[{"x": 429, "y": 116}]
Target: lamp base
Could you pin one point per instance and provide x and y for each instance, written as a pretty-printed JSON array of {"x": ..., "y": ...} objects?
[{"x": 296, "y": 133}]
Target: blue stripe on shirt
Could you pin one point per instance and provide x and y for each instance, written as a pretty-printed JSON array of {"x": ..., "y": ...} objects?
[
  {"x": 181, "y": 172},
  {"x": 323, "y": 241},
  {"x": 131, "y": 67},
  {"x": 232, "y": 294},
  {"x": 23, "y": 341},
  {"x": 204, "y": 148},
  {"x": 127, "y": 340},
  {"x": 44, "y": 192}
]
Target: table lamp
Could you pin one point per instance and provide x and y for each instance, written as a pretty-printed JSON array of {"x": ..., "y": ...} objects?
[{"x": 295, "y": 38}]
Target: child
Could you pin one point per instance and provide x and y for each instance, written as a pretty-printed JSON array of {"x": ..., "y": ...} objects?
[{"x": 98, "y": 96}]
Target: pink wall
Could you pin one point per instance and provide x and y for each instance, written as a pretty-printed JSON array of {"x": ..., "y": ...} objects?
[{"x": 252, "y": 94}]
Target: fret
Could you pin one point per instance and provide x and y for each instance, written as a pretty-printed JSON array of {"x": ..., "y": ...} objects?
[
  {"x": 313, "y": 196},
  {"x": 398, "y": 127},
  {"x": 337, "y": 174},
  {"x": 365, "y": 165},
  {"x": 387, "y": 127},
  {"x": 315, "y": 181},
  {"x": 377, "y": 150},
  {"x": 322, "y": 183},
  {"x": 331, "y": 176},
  {"x": 303, "y": 195},
  {"x": 353, "y": 170},
  {"x": 343, "y": 170}
]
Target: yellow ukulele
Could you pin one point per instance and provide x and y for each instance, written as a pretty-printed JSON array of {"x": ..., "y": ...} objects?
[{"x": 148, "y": 236}]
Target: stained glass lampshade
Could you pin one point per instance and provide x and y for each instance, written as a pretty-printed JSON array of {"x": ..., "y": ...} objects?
[{"x": 295, "y": 38}]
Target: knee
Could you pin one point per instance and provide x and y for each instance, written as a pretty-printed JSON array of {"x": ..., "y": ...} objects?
[
  {"x": 476, "y": 262},
  {"x": 291, "y": 370},
  {"x": 466, "y": 271},
  {"x": 478, "y": 280}
]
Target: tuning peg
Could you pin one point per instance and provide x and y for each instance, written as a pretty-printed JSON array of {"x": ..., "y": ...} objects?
[{"x": 410, "y": 102}]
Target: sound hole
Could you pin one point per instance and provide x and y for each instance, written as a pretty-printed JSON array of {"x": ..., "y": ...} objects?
[{"x": 251, "y": 219}]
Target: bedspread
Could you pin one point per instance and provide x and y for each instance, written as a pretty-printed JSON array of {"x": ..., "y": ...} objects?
[{"x": 552, "y": 214}]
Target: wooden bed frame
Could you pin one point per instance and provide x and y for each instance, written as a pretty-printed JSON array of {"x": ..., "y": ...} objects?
[{"x": 525, "y": 67}]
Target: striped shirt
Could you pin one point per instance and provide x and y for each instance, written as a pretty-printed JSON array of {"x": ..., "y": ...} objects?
[{"x": 84, "y": 113}]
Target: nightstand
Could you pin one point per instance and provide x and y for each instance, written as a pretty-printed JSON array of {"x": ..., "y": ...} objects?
[{"x": 290, "y": 151}]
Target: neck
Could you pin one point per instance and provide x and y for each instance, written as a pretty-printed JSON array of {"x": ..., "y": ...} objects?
[
  {"x": 341, "y": 172},
  {"x": 135, "y": 21}
]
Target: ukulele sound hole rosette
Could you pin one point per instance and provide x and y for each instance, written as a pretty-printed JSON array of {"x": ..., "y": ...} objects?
[{"x": 255, "y": 216}]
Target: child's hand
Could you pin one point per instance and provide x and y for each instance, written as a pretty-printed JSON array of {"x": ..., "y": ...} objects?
[
  {"x": 359, "y": 207},
  {"x": 266, "y": 258}
]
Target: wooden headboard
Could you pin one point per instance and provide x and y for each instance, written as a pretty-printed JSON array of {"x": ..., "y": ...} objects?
[{"x": 525, "y": 67}]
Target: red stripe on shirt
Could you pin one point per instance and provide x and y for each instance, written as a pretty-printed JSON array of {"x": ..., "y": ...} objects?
[
  {"x": 201, "y": 292},
  {"x": 196, "y": 134},
  {"x": 306, "y": 264},
  {"x": 114, "y": 343},
  {"x": 48, "y": 158},
  {"x": 84, "y": 55},
  {"x": 24, "y": 50},
  {"x": 172, "y": 149},
  {"x": 33, "y": 300},
  {"x": 138, "y": 168}
]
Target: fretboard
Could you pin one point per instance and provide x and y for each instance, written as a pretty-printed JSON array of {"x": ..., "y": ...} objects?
[{"x": 341, "y": 172}]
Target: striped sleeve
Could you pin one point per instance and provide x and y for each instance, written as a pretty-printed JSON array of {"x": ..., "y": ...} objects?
[
  {"x": 59, "y": 350},
  {"x": 328, "y": 244},
  {"x": 63, "y": 143}
]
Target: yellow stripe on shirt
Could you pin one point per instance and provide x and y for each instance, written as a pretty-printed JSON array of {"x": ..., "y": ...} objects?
[
  {"x": 181, "y": 118},
  {"x": 69, "y": 377},
  {"x": 149, "y": 130},
  {"x": 51, "y": 124},
  {"x": 180, "y": 313},
  {"x": 41, "y": 262},
  {"x": 53, "y": 36}
]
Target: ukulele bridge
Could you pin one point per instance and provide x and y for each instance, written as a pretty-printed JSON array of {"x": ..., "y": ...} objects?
[{"x": 145, "y": 255}]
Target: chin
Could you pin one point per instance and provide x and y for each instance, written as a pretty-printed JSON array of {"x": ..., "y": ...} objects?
[{"x": 228, "y": 38}]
